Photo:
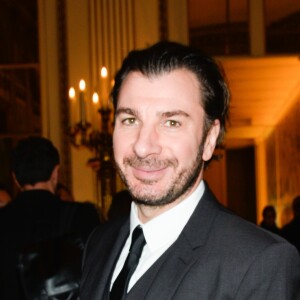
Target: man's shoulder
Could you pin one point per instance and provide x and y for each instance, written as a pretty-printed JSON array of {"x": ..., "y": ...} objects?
[
  {"x": 227, "y": 229},
  {"x": 103, "y": 238},
  {"x": 244, "y": 238},
  {"x": 35, "y": 199},
  {"x": 82, "y": 206},
  {"x": 106, "y": 234},
  {"x": 110, "y": 229},
  {"x": 294, "y": 224},
  {"x": 82, "y": 211}
]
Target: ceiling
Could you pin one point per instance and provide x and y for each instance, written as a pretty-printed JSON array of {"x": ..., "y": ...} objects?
[{"x": 262, "y": 90}]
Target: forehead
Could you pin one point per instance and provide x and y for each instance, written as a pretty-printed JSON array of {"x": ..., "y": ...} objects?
[{"x": 179, "y": 86}]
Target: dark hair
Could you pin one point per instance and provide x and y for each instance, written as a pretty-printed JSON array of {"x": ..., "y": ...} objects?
[
  {"x": 164, "y": 57},
  {"x": 33, "y": 160},
  {"x": 269, "y": 209},
  {"x": 296, "y": 205}
]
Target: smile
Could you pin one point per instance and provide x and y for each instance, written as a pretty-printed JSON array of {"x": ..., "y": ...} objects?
[{"x": 148, "y": 173}]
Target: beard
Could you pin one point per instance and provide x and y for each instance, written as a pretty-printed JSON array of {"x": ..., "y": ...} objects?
[{"x": 179, "y": 186}]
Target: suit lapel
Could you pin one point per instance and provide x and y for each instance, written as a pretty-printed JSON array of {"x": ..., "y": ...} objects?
[
  {"x": 100, "y": 276},
  {"x": 163, "y": 278}
]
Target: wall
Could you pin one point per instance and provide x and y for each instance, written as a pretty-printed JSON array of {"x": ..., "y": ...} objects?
[
  {"x": 215, "y": 176},
  {"x": 261, "y": 178},
  {"x": 97, "y": 38},
  {"x": 178, "y": 21},
  {"x": 48, "y": 44},
  {"x": 283, "y": 163}
]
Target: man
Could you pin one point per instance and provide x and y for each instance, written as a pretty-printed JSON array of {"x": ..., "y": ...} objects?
[
  {"x": 291, "y": 231},
  {"x": 269, "y": 219},
  {"x": 36, "y": 216},
  {"x": 171, "y": 104}
]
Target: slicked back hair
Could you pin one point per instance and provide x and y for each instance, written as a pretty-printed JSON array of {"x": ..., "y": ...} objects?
[{"x": 164, "y": 57}]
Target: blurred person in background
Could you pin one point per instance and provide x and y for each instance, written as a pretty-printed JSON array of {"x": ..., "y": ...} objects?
[
  {"x": 269, "y": 219},
  {"x": 37, "y": 216},
  {"x": 291, "y": 231}
]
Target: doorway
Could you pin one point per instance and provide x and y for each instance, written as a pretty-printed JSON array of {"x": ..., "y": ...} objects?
[{"x": 241, "y": 188}]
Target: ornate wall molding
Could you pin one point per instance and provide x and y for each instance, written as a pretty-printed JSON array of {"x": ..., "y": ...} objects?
[
  {"x": 163, "y": 20},
  {"x": 111, "y": 35},
  {"x": 65, "y": 154}
]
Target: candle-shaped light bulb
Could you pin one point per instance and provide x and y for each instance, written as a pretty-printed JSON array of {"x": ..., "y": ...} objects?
[
  {"x": 104, "y": 87},
  {"x": 81, "y": 101},
  {"x": 95, "y": 98},
  {"x": 72, "y": 93},
  {"x": 82, "y": 85},
  {"x": 103, "y": 72},
  {"x": 72, "y": 98}
]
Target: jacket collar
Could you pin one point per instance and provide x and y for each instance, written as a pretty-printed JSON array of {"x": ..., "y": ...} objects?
[{"x": 186, "y": 251}]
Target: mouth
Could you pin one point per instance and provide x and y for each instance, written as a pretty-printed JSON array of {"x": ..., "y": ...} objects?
[
  {"x": 149, "y": 170},
  {"x": 148, "y": 173}
]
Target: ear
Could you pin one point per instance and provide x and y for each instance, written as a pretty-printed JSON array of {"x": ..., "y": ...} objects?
[
  {"x": 211, "y": 140},
  {"x": 55, "y": 175}
]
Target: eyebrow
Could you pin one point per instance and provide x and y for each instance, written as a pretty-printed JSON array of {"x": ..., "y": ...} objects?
[
  {"x": 166, "y": 114},
  {"x": 169, "y": 114},
  {"x": 129, "y": 111}
]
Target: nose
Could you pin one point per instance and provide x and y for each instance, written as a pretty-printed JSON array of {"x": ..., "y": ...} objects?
[{"x": 147, "y": 142}]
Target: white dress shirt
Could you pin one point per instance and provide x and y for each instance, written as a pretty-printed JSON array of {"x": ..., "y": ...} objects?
[{"x": 160, "y": 233}]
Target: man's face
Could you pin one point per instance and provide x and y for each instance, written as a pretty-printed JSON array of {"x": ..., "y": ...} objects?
[{"x": 158, "y": 135}]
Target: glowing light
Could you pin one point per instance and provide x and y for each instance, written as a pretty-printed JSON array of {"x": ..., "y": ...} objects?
[
  {"x": 82, "y": 85},
  {"x": 95, "y": 98},
  {"x": 103, "y": 72},
  {"x": 72, "y": 93}
]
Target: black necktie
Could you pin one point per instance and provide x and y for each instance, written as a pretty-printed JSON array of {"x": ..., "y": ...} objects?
[{"x": 119, "y": 288}]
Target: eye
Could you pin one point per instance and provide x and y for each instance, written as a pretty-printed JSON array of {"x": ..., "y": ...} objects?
[
  {"x": 172, "y": 123},
  {"x": 129, "y": 121}
]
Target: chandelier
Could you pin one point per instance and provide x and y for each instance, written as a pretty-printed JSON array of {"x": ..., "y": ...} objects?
[{"x": 95, "y": 134}]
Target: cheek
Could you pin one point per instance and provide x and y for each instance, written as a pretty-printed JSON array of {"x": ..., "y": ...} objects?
[
  {"x": 117, "y": 146},
  {"x": 185, "y": 150},
  {"x": 120, "y": 145}
]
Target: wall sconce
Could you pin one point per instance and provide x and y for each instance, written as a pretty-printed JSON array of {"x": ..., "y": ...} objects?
[{"x": 96, "y": 136}]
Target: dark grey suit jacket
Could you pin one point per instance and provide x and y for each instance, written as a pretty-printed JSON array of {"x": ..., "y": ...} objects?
[{"x": 217, "y": 256}]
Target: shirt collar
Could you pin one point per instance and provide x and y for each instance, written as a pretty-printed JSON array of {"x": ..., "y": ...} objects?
[{"x": 165, "y": 228}]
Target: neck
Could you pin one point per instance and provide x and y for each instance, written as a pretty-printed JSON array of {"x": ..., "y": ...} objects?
[
  {"x": 147, "y": 212},
  {"x": 40, "y": 186}
]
